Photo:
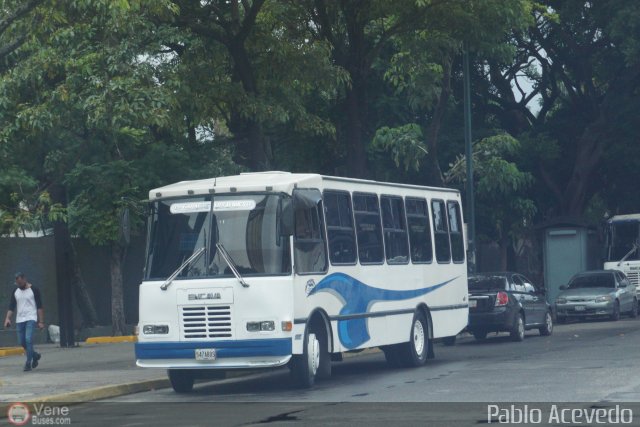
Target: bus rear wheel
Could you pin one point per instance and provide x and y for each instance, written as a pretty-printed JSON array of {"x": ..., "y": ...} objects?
[
  {"x": 181, "y": 380},
  {"x": 414, "y": 353}
]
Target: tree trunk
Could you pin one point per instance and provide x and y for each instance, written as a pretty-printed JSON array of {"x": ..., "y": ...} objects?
[
  {"x": 355, "y": 104},
  {"x": 117, "y": 294},
  {"x": 83, "y": 299},
  {"x": 589, "y": 154},
  {"x": 503, "y": 246},
  {"x": 434, "y": 173},
  {"x": 62, "y": 244},
  {"x": 253, "y": 150}
]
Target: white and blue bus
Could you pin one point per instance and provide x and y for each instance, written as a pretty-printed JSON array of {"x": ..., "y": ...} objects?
[{"x": 266, "y": 269}]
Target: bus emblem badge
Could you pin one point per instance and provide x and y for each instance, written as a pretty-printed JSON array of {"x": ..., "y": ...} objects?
[
  {"x": 208, "y": 295},
  {"x": 310, "y": 285}
]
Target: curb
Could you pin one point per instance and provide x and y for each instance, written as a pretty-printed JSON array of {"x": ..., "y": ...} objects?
[
  {"x": 11, "y": 351},
  {"x": 116, "y": 390},
  {"x": 109, "y": 391},
  {"x": 104, "y": 392},
  {"x": 111, "y": 340}
]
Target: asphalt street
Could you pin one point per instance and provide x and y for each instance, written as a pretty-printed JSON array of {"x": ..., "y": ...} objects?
[{"x": 596, "y": 362}]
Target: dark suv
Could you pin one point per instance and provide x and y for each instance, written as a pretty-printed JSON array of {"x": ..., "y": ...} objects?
[{"x": 507, "y": 302}]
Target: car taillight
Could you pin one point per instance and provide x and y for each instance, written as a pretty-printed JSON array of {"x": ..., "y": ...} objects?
[{"x": 502, "y": 299}]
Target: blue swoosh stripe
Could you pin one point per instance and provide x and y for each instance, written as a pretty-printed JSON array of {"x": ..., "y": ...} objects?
[{"x": 357, "y": 298}]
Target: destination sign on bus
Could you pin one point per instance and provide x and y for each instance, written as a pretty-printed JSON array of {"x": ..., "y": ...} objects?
[{"x": 218, "y": 206}]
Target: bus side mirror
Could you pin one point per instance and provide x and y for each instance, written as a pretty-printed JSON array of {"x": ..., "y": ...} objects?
[{"x": 286, "y": 216}]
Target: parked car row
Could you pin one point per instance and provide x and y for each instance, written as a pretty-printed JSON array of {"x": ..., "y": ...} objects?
[{"x": 510, "y": 302}]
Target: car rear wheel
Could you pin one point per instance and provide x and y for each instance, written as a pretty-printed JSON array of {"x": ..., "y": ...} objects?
[
  {"x": 517, "y": 333},
  {"x": 615, "y": 316},
  {"x": 634, "y": 310},
  {"x": 547, "y": 329},
  {"x": 181, "y": 380},
  {"x": 480, "y": 335}
]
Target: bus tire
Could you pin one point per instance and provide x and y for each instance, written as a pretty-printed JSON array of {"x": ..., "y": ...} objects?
[
  {"x": 181, "y": 380},
  {"x": 414, "y": 353},
  {"x": 324, "y": 368},
  {"x": 304, "y": 367}
]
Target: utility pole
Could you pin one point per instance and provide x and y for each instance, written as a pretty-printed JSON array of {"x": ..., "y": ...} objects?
[{"x": 471, "y": 215}]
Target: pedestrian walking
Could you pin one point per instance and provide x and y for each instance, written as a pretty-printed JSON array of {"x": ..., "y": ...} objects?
[{"x": 26, "y": 303}]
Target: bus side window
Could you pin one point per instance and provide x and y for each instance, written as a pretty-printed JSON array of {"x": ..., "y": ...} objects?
[
  {"x": 441, "y": 231},
  {"x": 340, "y": 231},
  {"x": 368, "y": 228},
  {"x": 419, "y": 230},
  {"x": 309, "y": 242},
  {"x": 394, "y": 225},
  {"x": 455, "y": 231}
]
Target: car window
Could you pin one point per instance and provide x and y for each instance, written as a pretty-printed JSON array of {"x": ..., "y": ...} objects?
[
  {"x": 592, "y": 280},
  {"x": 528, "y": 286},
  {"x": 486, "y": 282},
  {"x": 518, "y": 284}
]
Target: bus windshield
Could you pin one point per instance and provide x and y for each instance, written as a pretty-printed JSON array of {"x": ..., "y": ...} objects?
[
  {"x": 247, "y": 225},
  {"x": 621, "y": 237}
]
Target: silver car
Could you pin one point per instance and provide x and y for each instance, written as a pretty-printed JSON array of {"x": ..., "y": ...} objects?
[{"x": 597, "y": 293}]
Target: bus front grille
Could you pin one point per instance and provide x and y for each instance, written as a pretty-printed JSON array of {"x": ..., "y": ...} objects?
[
  {"x": 213, "y": 321},
  {"x": 634, "y": 277}
]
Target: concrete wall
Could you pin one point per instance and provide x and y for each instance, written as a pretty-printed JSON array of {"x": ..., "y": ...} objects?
[{"x": 36, "y": 258}]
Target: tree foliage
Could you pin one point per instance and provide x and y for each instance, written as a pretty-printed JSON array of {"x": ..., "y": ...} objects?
[{"x": 102, "y": 100}]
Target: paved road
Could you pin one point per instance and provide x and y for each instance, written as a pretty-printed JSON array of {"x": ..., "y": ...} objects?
[{"x": 583, "y": 362}]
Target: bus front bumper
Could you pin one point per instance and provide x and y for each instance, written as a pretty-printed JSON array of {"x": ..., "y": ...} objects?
[{"x": 262, "y": 353}]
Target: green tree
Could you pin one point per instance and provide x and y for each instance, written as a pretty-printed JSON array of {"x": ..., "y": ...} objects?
[
  {"x": 251, "y": 68},
  {"x": 503, "y": 206},
  {"x": 582, "y": 58},
  {"x": 426, "y": 59},
  {"x": 87, "y": 114}
]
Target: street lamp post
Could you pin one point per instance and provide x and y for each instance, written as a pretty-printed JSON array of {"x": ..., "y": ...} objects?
[{"x": 471, "y": 217}]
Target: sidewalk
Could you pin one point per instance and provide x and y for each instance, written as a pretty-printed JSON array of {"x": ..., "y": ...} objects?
[{"x": 87, "y": 372}]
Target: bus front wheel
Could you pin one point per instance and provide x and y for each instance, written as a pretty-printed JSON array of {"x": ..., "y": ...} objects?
[
  {"x": 304, "y": 367},
  {"x": 181, "y": 380}
]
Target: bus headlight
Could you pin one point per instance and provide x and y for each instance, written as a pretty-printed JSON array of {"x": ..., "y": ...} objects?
[
  {"x": 155, "y": 329},
  {"x": 266, "y": 325}
]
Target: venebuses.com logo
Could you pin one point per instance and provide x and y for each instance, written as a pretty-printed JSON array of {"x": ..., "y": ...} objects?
[{"x": 18, "y": 414}]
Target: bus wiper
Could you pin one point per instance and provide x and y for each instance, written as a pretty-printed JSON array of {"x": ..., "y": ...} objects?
[
  {"x": 624, "y": 258},
  {"x": 191, "y": 259},
  {"x": 232, "y": 265}
]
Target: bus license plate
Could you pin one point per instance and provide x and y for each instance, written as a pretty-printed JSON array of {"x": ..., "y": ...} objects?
[
  {"x": 473, "y": 303},
  {"x": 206, "y": 354},
  {"x": 579, "y": 308}
]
